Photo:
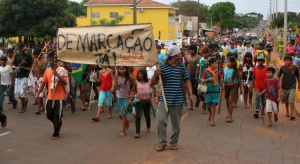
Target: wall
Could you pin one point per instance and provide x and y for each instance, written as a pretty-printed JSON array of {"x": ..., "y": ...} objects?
[{"x": 156, "y": 16}]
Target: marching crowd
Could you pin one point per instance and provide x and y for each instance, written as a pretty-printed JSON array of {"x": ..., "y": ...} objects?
[{"x": 205, "y": 71}]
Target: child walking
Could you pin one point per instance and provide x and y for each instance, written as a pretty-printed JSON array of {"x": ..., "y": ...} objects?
[
  {"x": 6, "y": 83},
  {"x": 124, "y": 97},
  {"x": 260, "y": 75},
  {"x": 231, "y": 80},
  {"x": 247, "y": 78},
  {"x": 107, "y": 80},
  {"x": 273, "y": 94},
  {"x": 143, "y": 94},
  {"x": 280, "y": 49},
  {"x": 213, "y": 78},
  {"x": 57, "y": 82},
  {"x": 290, "y": 74}
]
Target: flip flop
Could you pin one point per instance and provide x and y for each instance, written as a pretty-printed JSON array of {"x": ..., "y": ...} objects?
[
  {"x": 22, "y": 111},
  {"x": 137, "y": 136},
  {"x": 96, "y": 119},
  {"x": 174, "y": 147},
  {"x": 245, "y": 106},
  {"x": 160, "y": 147},
  {"x": 229, "y": 120},
  {"x": 37, "y": 112},
  {"x": 122, "y": 135},
  {"x": 269, "y": 125},
  {"x": 83, "y": 108},
  {"x": 109, "y": 117},
  {"x": 212, "y": 124}
]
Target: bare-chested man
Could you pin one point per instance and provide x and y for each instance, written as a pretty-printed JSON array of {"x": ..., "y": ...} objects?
[
  {"x": 191, "y": 65},
  {"x": 38, "y": 70}
]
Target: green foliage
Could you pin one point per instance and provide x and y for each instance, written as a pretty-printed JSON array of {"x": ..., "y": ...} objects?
[
  {"x": 190, "y": 8},
  {"x": 293, "y": 20},
  {"x": 30, "y": 18},
  {"x": 77, "y": 9},
  {"x": 222, "y": 12},
  {"x": 111, "y": 22}
]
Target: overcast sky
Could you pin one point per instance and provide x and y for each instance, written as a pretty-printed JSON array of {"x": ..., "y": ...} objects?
[{"x": 246, "y": 6}]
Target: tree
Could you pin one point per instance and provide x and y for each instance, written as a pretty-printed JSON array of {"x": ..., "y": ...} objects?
[
  {"x": 222, "y": 12},
  {"x": 278, "y": 21},
  {"x": 78, "y": 9},
  {"x": 190, "y": 8},
  {"x": 34, "y": 18}
]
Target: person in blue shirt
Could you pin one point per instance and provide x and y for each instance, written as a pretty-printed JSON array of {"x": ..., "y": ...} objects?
[{"x": 161, "y": 56}]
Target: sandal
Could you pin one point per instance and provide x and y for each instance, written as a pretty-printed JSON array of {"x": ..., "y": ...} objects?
[
  {"x": 122, "y": 134},
  {"x": 109, "y": 117},
  {"x": 22, "y": 111},
  {"x": 37, "y": 112},
  {"x": 212, "y": 124},
  {"x": 137, "y": 136},
  {"x": 160, "y": 147},
  {"x": 269, "y": 125},
  {"x": 174, "y": 147},
  {"x": 55, "y": 138},
  {"x": 83, "y": 108},
  {"x": 96, "y": 119},
  {"x": 229, "y": 120}
]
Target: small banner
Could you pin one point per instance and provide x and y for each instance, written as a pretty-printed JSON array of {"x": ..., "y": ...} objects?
[{"x": 123, "y": 45}]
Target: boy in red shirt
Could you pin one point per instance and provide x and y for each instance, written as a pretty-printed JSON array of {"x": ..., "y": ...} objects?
[
  {"x": 260, "y": 75},
  {"x": 273, "y": 94},
  {"x": 54, "y": 114}
]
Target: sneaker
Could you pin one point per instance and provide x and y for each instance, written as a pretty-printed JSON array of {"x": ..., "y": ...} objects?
[
  {"x": 4, "y": 123},
  {"x": 255, "y": 114}
]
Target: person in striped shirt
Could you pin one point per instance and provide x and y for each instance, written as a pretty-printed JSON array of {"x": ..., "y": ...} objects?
[{"x": 173, "y": 84}]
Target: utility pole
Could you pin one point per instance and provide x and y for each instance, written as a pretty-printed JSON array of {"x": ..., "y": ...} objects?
[
  {"x": 198, "y": 21},
  {"x": 285, "y": 26},
  {"x": 134, "y": 11},
  {"x": 274, "y": 2},
  {"x": 211, "y": 23},
  {"x": 91, "y": 12}
]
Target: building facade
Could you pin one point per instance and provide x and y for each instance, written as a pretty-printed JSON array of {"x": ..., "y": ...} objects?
[{"x": 161, "y": 16}]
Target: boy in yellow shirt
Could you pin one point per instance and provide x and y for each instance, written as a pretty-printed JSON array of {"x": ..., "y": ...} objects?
[{"x": 280, "y": 49}]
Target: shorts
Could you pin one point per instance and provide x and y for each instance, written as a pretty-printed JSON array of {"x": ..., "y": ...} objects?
[
  {"x": 211, "y": 104},
  {"x": 230, "y": 91},
  {"x": 271, "y": 106},
  {"x": 37, "y": 81},
  {"x": 102, "y": 96},
  {"x": 246, "y": 84},
  {"x": 20, "y": 84},
  {"x": 288, "y": 96}
]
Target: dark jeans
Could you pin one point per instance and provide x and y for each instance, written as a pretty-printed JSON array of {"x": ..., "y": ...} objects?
[
  {"x": 2, "y": 117},
  {"x": 89, "y": 91},
  {"x": 143, "y": 105},
  {"x": 10, "y": 94},
  {"x": 54, "y": 115}
]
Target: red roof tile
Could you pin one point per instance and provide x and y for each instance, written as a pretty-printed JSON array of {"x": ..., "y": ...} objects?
[
  {"x": 150, "y": 3},
  {"x": 109, "y": 2},
  {"x": 140, "y": 3}
]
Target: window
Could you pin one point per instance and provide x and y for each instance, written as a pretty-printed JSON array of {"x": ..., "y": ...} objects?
[
  {"x": 95, "y": 15},
  {"x": 171, "y": 18},
  {"x": 113, "y": 15},
  {"x": 127, "y": 13}
]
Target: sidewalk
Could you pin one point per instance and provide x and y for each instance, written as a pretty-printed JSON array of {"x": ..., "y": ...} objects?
[{"x": 275, "y": 57}]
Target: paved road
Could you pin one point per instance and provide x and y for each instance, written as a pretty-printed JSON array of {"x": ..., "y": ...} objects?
[{"x": 26, "y": 140}]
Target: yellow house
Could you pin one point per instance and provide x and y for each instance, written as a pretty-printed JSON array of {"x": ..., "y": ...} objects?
[{"x": 161, "y": 16}]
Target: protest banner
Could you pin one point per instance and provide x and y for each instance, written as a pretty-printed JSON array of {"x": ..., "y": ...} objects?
[{"x": 124, "y": 45}]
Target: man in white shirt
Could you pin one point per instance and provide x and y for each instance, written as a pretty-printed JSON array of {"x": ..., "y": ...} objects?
[{"x": 246, "y": 49}]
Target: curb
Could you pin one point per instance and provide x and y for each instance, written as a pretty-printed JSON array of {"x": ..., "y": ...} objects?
[{"x": 280, "y": 63}]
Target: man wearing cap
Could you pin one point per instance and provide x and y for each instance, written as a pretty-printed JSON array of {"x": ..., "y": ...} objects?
[
  {"x": 269, "y": 48},
  {"x": 191, "y": 65},
  {"x": 263, "y": 53},
  {"x": 246, "y": 49},
  {"x": 38, "y": 70},
  {"x": 174, "y": 76},
  {"x": 22, "y": 65},
  {"x": 259, "y": 77}
]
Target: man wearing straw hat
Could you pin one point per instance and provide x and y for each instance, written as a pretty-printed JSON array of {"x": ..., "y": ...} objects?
[
  {"x": 22, "y": 65},
  {"x": 174, "y": 76}
]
